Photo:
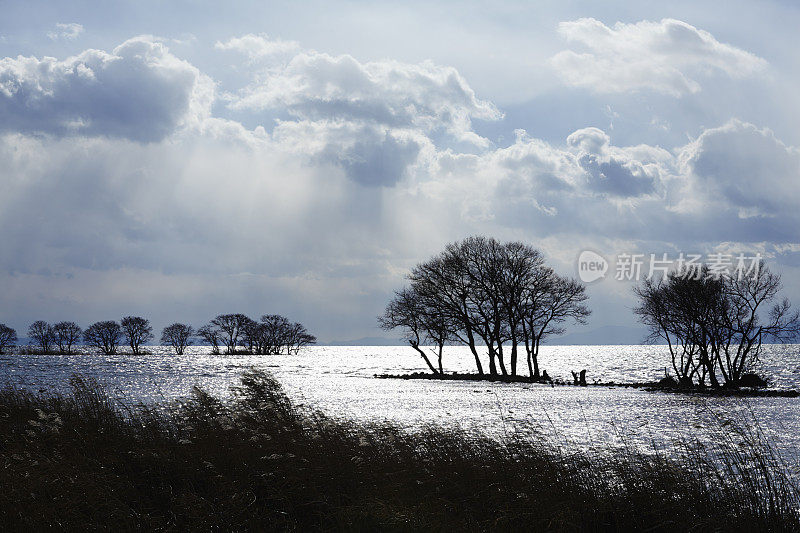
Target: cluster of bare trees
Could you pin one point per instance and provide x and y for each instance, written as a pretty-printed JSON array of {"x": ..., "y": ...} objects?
[
  {"x": 715, "y": 325},
  {"x": 483, "y": 292},
  {"x": 105, "y": 336},
  {"x": 271, "y": 335}
]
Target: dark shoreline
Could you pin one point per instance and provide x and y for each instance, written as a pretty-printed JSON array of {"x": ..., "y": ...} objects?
[{"x": 648, "y": 386}]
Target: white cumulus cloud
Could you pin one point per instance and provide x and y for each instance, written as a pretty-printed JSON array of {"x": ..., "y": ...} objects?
[
  {"x": 314, "y": 85},
  {"x": 67, "y": 31},
  {"x": 322, "y": 211},
  {"x": 259, "y": 46},
  {"x": 667, "y": 56},
  {"x": 746, "y": 167},
  {"x": 373, "y": 119},
  {"x": 138, "y": 91}
]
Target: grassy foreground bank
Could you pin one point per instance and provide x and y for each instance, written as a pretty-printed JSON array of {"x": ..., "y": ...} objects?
[{"x": 262, "y": 463}]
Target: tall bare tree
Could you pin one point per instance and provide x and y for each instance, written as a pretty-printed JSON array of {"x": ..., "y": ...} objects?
[
  {"x": 752, "y": 314},
  {"x": 715, "y": 326},
  {"x": 523, "y": 270},
  {"x": 177, "y": 335},
  {"x": 274, "y": 330},
  {"x": 231, "y": 328},
  {"x": 561, "y": 300},
  {"x": 42, "y": 333},
  {"x": 137, "y": 331},
  {"x": 679, "y": 309},
  {"x": 481, "y": 290},
  {"x": 66, "y": 336},
  {"x": 421, "y": 324},
  {"x": 483, "y": 264},
  {"x": 8, "y": 338},
  {"x": 297, "y": 337},
  {"x": 105, "y": 336},
  {"x": 253, "y": 336},
  {"x": 211, "y": 335},
  {"x": 443, "y": 284}
]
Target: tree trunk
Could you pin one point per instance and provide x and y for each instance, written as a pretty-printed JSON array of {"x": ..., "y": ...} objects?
[
  {"x": 501, "y": 359},
  {"x": 492, "y": 365},
  {"x": 513, "y": 355},
  {"x": 530, "y": 363},
  {"x": 424, "y": 356},
  {"x": 474, "y": 351}
]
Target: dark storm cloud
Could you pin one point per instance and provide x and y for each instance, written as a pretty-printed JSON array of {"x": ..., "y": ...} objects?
[
  {"x": 616, "y": 177},
  {"x": 381, "y": 163}
]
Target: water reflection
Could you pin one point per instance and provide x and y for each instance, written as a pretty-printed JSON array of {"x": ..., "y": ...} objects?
[{"x": 340, "y": 381}]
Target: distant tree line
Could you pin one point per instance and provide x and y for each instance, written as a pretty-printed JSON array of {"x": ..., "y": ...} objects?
[
  {"x": 105, "y": 336},
  {"x": 480, "y": 292},
  {"x": 715, "y": 325},
  {"x": 273, "y": 334}
]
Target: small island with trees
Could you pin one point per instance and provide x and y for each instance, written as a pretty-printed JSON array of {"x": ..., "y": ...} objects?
[{"x": 480, "y": 293}]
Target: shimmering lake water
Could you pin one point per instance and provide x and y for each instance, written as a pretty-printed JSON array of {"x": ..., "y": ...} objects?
[{"x": 339, "y": 380}]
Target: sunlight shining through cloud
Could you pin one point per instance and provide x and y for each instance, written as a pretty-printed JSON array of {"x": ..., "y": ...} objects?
[{"x": 271, "y": 166}]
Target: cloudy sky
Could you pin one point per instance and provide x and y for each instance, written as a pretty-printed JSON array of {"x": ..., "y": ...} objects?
[{"x": 179, "y": 159}]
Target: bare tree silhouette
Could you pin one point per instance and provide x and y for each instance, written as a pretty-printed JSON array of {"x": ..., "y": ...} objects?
[
  {"x": 714, "y": 326},
  {"x": 8, "y": 338},
  {"x": 42, "y": 333},
  {"x": 481, "y": 290},
  {"x": 137, "y": 331},
  {"x": 230, "y": 328},
  {"x": 211, "y": 335},
  {"x": 297, "y": 336},
  {"x": 421, "y": 323},
  {"x": 104, "y": 336},
  {"x": 67, "y": 335},
  {"x": 546, "y": 307},
  {"x": 275, "y": 333},
  {"x": 177, "y": 335}
]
